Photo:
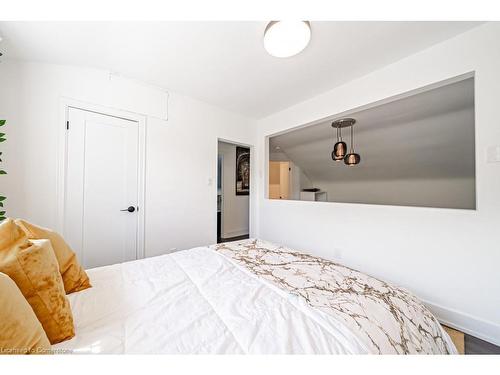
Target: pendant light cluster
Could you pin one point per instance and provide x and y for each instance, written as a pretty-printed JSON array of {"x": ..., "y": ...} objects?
[{"x": 340, "y": 148}]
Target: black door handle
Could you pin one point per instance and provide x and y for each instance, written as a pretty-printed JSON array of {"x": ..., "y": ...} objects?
[{"x": 130, "y": 209}]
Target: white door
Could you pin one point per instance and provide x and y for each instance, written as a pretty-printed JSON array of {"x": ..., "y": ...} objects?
[
  {"x": 284, "y": 180},
  {"x": 100, "y": 219},
  {"x": 279, "y": 180}
]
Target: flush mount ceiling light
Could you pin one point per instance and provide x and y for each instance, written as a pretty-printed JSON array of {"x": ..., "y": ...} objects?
[{"x": 286, "y": 38}]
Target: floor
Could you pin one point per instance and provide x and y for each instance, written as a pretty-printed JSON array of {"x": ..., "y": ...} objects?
[
  {"x": 467, "y": 344},
  {"x": 473, "y": 345},
  {"x": 457, "y": 337},
  {"x": 238, "y": 238}
]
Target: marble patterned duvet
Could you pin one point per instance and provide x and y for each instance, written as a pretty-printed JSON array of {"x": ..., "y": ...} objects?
[
  {"x": 387, "y": 319},
  {"x": 246, "y": 297}
]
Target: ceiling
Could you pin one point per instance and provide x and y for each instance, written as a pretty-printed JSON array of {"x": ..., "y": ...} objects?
[
  {"x": 224, "y": 63},
  {"x": 426, "y": 135}
]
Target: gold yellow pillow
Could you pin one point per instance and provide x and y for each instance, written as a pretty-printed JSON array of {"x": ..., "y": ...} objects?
[
  {"x": 20, "y": 330},
  {"x": 32, "y": 265},
  {"x": 73, "y": 275}
]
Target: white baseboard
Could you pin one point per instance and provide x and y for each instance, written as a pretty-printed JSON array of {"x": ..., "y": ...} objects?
[
  {"x": 236, "y": 233},
  {"x": 483, "y": 329}
]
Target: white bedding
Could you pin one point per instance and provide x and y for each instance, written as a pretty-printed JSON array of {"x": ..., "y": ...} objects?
[
  {"x": 197, "y": 301},
  {"x": 386, "y": 318}
]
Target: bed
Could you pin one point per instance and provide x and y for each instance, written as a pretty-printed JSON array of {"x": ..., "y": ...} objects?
[{"x": 248, "y": 296}]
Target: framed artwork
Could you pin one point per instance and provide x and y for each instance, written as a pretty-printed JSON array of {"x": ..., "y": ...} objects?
[{"x": 242, "y": 171}]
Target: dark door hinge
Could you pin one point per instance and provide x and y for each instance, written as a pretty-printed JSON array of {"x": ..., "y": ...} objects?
[{"x": 67, "y": 125}]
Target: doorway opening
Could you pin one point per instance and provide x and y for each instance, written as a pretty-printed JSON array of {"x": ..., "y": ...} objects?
[{"x": 233, "y": 191}]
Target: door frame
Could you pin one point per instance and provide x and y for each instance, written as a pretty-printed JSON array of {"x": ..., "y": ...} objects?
[
  {"x": 221, "y": 188},
  {"x": 65, "y": 105},
  {"x": 253, "y": 182}
]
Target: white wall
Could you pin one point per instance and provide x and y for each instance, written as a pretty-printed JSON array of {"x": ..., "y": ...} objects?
[
  {"x": 181, "y": 153},
  {"x": 299, "y": 181},
  {"x": 278, "y": 156},
  {"x": 449, "y": 258},
  {"x": 235, "y": 208}
]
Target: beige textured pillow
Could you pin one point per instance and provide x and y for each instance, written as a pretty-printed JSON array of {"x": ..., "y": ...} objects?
[
  {"x": 32, "y": 265},
  {"x": 20, "y": 330},
  {"x": 73, "y": 275}
]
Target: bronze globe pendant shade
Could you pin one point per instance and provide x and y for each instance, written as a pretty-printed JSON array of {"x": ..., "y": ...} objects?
[
  {"x": 352, "y": 158},
  {"x": 340, "y": 148}
]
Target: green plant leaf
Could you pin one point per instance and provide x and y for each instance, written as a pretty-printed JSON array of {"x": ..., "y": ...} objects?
[
  {"x": 2, "y": 139},
  {"x": 2, "y": 122},
  {"x": 2, "y": 218},
  {"x": 2, "y": 134},
  {"x": 2, "y": 198},
  {"x": 2, "y": 213},
  {"x": 2, "y": 172}
]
